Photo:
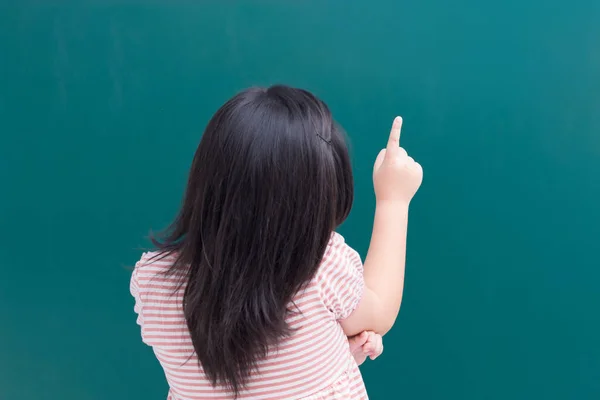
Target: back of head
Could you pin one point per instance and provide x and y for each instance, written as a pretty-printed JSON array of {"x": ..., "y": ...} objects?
[{"x": 270, "y": 181}]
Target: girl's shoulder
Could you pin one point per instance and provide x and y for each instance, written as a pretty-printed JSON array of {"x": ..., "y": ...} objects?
[
  {"x": 154, "y": 261},
  {"x": 152, "y": 269},
  {"x": 339, "y": 252}
]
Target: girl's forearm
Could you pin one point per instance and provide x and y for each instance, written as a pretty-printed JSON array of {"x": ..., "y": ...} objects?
[{"x": 385, "y": 261}]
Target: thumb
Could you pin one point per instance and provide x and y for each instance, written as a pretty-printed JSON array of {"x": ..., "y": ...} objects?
[{"x": 379, "y": 160}]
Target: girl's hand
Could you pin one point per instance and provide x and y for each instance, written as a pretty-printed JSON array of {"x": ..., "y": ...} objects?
[
  {"x": 396, "y": 176},
  {"x": 367, "y": 344}
]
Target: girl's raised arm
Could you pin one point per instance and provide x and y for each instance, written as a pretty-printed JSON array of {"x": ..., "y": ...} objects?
[{"x": 396, "y": 179}]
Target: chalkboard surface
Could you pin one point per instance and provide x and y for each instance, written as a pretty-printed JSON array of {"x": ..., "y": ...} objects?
[{"x": 103, "y": 103}]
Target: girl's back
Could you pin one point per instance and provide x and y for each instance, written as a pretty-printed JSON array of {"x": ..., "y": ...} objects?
[
  {"x": 245, "y": 290},
  {"x": 312, "y": 363}
]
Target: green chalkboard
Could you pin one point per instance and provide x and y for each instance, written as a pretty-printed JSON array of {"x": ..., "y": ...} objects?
[{"x": 103, "y": 103}]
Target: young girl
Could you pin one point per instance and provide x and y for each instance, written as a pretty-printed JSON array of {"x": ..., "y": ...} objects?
[{"x": 251, "y": 294}]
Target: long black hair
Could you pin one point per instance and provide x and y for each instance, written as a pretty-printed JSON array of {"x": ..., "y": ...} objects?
[{"x": 270, "y": 181}]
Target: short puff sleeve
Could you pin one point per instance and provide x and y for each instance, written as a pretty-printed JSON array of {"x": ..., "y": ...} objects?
[{"x": 340, "y": 278}]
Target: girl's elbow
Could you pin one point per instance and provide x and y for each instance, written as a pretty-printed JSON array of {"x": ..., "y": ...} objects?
[
  {"x": 385, "y": 325},
  {"x": 386, "y": 321}
]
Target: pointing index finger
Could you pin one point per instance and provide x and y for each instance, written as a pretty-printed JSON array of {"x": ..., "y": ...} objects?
[{"x": 394, "y": 140}]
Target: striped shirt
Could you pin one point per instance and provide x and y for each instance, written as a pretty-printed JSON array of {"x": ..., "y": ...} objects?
[{"x": 314, "y": 363}]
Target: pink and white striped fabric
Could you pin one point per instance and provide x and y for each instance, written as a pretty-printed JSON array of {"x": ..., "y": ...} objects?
[{"x": 313, "y": 364}]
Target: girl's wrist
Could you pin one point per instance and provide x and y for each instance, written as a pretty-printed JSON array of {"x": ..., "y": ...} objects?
[{"x": 392, "y": 207}]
